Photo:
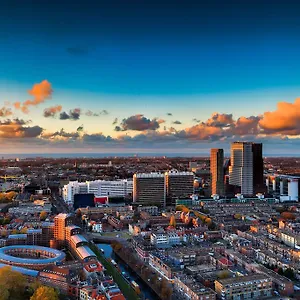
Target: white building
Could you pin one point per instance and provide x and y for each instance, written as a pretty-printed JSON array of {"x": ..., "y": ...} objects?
[
  {"x": 99, "y": 188},
  {"x": 165, "y": 239},
  {"x": 159, "y": 239}
]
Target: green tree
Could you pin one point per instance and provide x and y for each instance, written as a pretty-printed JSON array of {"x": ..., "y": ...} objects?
[
  {"x": 45, "y": 293},
  {"x": 289, "y": 273}
]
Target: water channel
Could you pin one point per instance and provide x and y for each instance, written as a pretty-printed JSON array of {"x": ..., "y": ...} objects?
[{"x": 146, "y": 292}]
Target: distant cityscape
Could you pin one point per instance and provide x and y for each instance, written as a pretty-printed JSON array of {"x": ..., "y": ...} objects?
[{"x": 154, "y": 228}]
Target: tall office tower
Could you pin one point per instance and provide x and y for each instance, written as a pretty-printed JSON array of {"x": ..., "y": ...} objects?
[
  {"x": 217, "y": 171},
  {"x": 61, "y": 221},
  {"x": 241, "y": 169},
  {"x": 179, "y": 184},
  {"x": 149, "y": 189},
  {"x": 258, "y": 168}
]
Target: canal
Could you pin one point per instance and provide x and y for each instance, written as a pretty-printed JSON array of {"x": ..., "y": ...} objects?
[{"x": 146, "y": 292}]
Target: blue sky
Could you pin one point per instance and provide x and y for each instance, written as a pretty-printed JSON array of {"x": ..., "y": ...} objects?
[{"x": 151, "y": 58}]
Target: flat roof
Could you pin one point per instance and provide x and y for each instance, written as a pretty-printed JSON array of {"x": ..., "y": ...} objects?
[
  {"x": 18, "y": 236},
  {"x": 24, "y": 271},
  {"x": 57, "y": 255}
]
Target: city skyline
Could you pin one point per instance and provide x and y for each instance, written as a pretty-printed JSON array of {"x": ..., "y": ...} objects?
[{"x": 149, "y": 77}]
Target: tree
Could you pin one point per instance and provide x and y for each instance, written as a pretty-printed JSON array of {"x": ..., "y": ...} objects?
[
  {"x": 43, "y": 215},
  {"x": 289, "y": 273},
  {"x": 288, "y": 215},
  {"x": 12, "y": 284},
  {"x": 223, "y": 274},
  {"x": 172, "y": 221},
  {"x": 280, "y": 271},
  {"x": 44, "y": 293}
]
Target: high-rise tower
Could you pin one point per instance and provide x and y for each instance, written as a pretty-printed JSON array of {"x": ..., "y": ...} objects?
[
  {"x": 217, "y": 171},
  {"x": 246, "y": 168}
]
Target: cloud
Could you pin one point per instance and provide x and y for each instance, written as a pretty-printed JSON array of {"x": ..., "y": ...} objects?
[
  {"x": 5, "y": 112},
  {"x": 40, "y": 92},
  {"x": 284, "y": 120},
  {"x": 61, "y": 135},
  {"x": 16, "y": 129},
  {"x": 220, "y": 120},
  {"x": 77, "y": 51},
  {"x": 103, "y": 112},
  {"x": 52, "y": 111},
  {"x": 176, "y": 122},
  {"x": 169, "y": 114},
  {"x": 196, "y": 120},
  {"x": 79, "y": 128},
  {"x": 74, "y": 114},
  {"x": 139, "y": 123},
  {"x": 115, "y": 121}
]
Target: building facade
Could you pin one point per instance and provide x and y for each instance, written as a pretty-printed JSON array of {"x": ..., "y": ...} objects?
[
  {"x": 149, "y": 189},
  {"x": 100, "y": 188},
  {"x": 179, "y": 184},
  {"x": 256, "y": 286},
  {"x": 241, "y": 168},
  {"x": 217, "y": 171}
]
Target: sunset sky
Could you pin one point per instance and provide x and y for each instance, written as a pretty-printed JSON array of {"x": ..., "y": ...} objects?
[{"x": 146, "y": 76}]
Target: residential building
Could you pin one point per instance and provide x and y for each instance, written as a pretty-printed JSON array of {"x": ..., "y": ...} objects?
[
  {"x": 255, "y": 286},
  {"x": 61, "y": 221},
  {"x": 149, "y": 189},
  {"x": 217, "y": 171},
  {"x": 186, "y": 288}
]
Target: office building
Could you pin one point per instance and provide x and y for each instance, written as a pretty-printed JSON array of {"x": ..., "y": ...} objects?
[
  {"x": 100, "y": 188},
  {"x": 179, "y": 185},
  {"x": 217, "y": 171},
  {"x": 149, "y": 189},
  {"x": 246, "y": 169},
  {"x": 258, "y": 168},
  {"x": 284, "y": 187}
]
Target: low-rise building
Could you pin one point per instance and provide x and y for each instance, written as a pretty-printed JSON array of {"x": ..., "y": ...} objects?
[
  {"x": 186, "y": 288},
  {"x": 255, "y": 286}
]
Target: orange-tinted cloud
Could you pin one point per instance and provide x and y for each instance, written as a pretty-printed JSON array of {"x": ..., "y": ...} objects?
[
  {"x": 52, "y": 111},
  {"x": 5, "y": 112},
  {"x": 40, "y": 92},
  {"x": 284, "y": 120},
  {"x": 220, "y": 120},
  {"x": 16, "y": 129}
]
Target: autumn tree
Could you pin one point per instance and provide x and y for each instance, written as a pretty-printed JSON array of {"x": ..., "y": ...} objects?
[
  {"x": 12, "y": 284},
  {"x": 43, "y": 215},
  {"x": 45, "y": 293},
  {"x": 288, "y": 215},
  {"x": 223, "y": 274},
  {"x": 172, "y": 221}
]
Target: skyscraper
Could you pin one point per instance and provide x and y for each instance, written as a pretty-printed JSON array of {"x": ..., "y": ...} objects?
[
  {"x": 241, "y": 168},
  {"x": 258, "y": 168},
  {"x": 217, "y": 171},
  {"x": 149, "y": 189},
  {"x": 246, "y": 168}
]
